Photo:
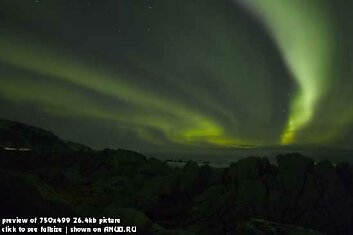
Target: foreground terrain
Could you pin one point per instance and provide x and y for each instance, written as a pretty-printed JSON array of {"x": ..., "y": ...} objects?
[{"x": 42, "y": 175}]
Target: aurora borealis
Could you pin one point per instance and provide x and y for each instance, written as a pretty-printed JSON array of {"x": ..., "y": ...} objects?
[
  {"x": 299, "y": 27},
  {"x": 180, "y": 74}
]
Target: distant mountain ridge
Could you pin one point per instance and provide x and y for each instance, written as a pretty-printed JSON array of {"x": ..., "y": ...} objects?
[{"x": 19, "y": 136}]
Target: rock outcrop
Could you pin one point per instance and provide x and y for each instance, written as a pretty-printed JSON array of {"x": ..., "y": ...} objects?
[
  {"x": 22, "y": 137},
  {"x": 294, "y": 196}
]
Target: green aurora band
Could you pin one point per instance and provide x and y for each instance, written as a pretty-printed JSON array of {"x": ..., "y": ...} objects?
[
  {"x": 219, "y": 74},
  {"x": 183, "y": 125},
  {"x": 302, "y": 31}
]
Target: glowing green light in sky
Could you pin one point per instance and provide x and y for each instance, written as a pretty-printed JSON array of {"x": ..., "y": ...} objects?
[
  {"x": 302, "y": 32},
  {"x": 223, "y": 73},
  {"x": 178, "y": 122}
]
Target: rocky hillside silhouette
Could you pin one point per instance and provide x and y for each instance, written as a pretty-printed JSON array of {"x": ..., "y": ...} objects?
[
  {"x": 251, "y": 196},
  {"x": 22, "y": 137}
]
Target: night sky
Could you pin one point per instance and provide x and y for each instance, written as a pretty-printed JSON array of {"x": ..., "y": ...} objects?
[{"x": 181, "y": 74}]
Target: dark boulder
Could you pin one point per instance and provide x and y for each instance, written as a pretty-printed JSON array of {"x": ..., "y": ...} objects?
[
  {"x": 293, "y": 170},
  {"x": 26, "y": 195},
  {"x": 263, "y": 227},
  {"x": 250, "y": 168}
]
